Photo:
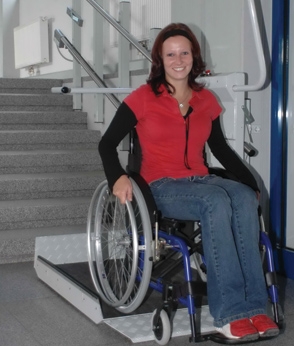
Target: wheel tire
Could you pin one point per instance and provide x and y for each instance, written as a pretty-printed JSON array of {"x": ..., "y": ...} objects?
[{"x": 161, "y": 328}]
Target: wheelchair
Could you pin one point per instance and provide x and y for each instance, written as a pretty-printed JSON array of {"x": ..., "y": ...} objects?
[{"x": 131, "y": 249}]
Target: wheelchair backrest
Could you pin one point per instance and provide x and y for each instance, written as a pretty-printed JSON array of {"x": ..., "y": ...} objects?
[{"x": 135, "y": 153}]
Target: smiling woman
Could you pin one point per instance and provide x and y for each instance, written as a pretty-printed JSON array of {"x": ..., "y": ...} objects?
[{"x": 175, "y": 116}]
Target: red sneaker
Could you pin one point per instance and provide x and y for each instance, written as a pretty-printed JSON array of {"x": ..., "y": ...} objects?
[
  {"x": 266, "y": 326},
  {"x": 241, "y": 329}
]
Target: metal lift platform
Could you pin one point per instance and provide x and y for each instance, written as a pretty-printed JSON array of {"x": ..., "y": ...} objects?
[{"x": 61, "y": 262}]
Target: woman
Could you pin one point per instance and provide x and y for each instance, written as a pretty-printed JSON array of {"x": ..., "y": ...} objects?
[{"x": 174, "y": 117}]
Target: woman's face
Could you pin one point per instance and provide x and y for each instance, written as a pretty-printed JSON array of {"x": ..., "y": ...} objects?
[{"x": 177, "y": 58}]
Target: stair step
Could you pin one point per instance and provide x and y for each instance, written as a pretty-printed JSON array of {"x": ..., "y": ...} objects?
[
  {"x": 49, "y": 185},
  {"x": 43, "y": 120},
  {"x": 51, "y": 102},
  {"x": 42, "y": 161},
  {"x": 18, "y": 245},
  {"x": 23, "y": 214},
  {"x": 28, "y": 86},
  {"x": 48, "y": 139}
]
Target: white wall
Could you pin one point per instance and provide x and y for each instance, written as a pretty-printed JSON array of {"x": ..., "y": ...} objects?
[
  {"x": 219, "y": 33},
  {"x": 1, "y": 39},
  {"x": 55, "y": 11}
]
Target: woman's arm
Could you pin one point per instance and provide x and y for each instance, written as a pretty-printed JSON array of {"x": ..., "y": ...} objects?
[
  {"x": 122, "y": 123},
  {"x": 227, "y": 157}
]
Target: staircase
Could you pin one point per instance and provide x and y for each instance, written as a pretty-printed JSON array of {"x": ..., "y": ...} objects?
[{"x": 49, "y": 166}]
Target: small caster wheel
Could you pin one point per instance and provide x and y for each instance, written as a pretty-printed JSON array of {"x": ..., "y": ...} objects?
[{"x": 161, "y": 328}]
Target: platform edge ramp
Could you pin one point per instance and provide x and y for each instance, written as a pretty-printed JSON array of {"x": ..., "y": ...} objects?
[{"x": 75, "y": 295}]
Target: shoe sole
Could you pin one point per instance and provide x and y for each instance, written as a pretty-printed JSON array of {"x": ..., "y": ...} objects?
[
  {"x": 250, "y": 337},
  {"x": 270, "y": 333},
  {"x": 222, "y": 339}
]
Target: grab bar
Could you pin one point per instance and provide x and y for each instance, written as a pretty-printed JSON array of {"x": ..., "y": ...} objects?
[
  {"x": 68, "y": 90},
  {"x": 121, "y": 29},
  {"x": 260, "y": 53}
]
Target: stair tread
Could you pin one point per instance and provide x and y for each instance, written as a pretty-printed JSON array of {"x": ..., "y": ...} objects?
[
  {"x": 43, "y": 231},
  {"x": 44, "y": 151},
  {"x": 57, "y": 175},
  {"x": 43, "y": 112},
  {"x": 43, "y": 202},
  {"x": 46, "y": 131},
  {"x": 18, "y": 83},
  {"x": 31, "y": 137},
  {"x": 25, "y": 112}
]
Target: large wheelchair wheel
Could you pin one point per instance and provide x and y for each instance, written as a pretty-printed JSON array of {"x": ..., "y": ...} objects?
[{"x": 119, "y": 248}]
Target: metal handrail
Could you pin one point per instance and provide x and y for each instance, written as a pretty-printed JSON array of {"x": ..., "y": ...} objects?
[
  {"x": 63, "y": 41},
  {"x": 120, "y": 29}
]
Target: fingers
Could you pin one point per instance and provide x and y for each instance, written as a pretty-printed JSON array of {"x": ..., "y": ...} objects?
[
  {"x": 123, "y": 196},
  {"x": 129, "y": 195},
  {"x": 123, "y": 190}
]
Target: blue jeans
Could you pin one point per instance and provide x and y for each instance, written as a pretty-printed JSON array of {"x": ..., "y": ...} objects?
[{"x": 228, "y": 214}]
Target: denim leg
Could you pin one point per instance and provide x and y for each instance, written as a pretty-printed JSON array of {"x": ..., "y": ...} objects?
[
  {"x": 246, "y": 231},
  {"x": 227, "y": 246}
]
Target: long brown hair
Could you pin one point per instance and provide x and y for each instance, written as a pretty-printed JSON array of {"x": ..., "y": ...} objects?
[{"x": 157, "y": 73}]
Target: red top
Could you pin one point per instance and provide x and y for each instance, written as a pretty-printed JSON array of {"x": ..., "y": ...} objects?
[{"x": 165, "y": 135}]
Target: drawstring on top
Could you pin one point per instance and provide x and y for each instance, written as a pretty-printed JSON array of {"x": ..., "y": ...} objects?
[{"x": 187, "y": 123}]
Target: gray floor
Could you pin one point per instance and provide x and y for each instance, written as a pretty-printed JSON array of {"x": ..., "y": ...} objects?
[{"x": 31, "y": 314}]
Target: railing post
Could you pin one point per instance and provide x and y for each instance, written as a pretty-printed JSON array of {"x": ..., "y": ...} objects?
[
  {"x": 77, "y": 73},
  {"x": 98, "y": 45},
  {"x": 124, "y": 45},
  {"x": 124, "y": 55},
  {"x": 1, "y": 39}
]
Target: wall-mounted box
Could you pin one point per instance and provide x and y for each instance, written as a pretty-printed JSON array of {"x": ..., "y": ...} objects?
[{"x": 31, "y": 44}]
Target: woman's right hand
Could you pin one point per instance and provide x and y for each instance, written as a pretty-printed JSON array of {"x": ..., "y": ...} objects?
[{"x": 123, "y": 189}]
